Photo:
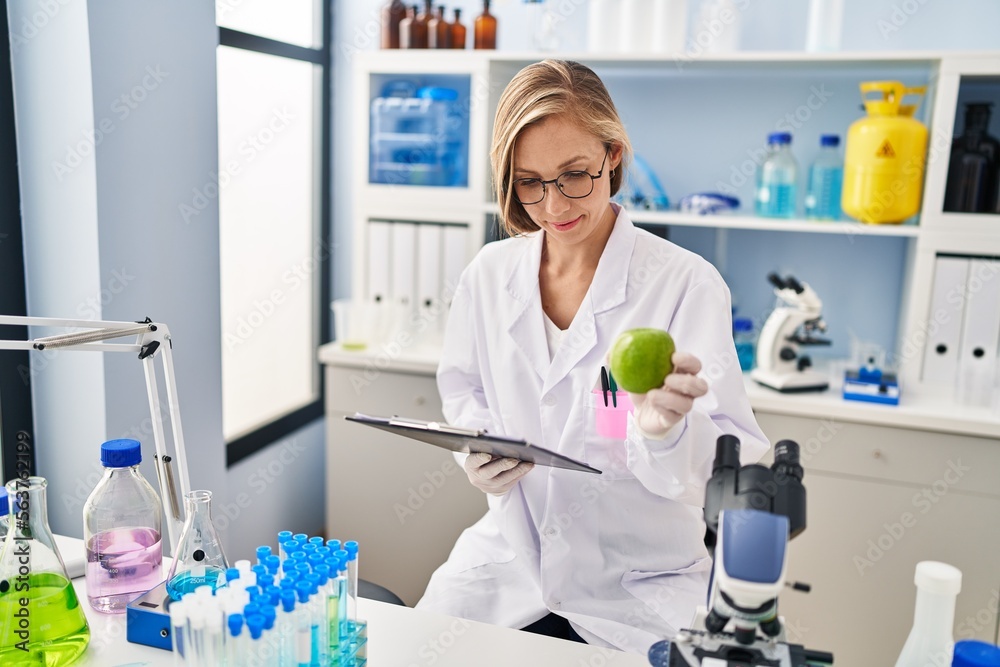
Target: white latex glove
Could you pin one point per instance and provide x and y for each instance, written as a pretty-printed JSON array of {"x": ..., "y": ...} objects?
[
  {"x": 495, "y": 476},
  {"x": 658, "y": 410}
]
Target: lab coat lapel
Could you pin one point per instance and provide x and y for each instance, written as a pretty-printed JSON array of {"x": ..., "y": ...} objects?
[
  {"x": 527, "y": 329},
  {"x": 607, "y": 291}
]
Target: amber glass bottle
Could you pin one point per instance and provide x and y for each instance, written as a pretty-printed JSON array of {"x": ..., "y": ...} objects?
[
  {"x": 486, "y": 28},
  {"x": 458, "y": 31},
  {"x": 439, "y": 31},
  {"x": 412, "y": 33},
  {"x": 423, "y": 23},
  {"x": 392, "y": 14}
]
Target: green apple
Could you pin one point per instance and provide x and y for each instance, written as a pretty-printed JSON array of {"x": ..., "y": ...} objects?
[{"x": 641, "y": 359}]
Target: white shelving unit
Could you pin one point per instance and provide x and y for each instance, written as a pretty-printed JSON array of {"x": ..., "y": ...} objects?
[
  {"x": 866, "y": 464},
  {"x": 935, "y": 232}
]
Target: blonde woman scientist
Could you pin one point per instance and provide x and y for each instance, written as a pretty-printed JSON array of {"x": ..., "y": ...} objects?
[{"x": 616, "y": 559}]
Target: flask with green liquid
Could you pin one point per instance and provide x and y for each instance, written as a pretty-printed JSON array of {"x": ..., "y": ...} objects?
[{"x": 41, "y": 620}]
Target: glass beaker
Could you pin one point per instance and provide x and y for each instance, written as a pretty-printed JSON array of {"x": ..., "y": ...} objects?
[
  {"x": 41, "y": 620},
  {"x": 199, "y": 559}
]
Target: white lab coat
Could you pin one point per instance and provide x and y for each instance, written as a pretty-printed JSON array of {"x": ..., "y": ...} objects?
[{"x": 621, "y": 555}]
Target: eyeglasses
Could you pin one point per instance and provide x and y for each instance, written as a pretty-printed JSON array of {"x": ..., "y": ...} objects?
[{"x": 572, "y": 184}]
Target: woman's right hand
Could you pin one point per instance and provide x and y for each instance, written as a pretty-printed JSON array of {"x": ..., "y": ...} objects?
[{"x": 494, "y": 476}]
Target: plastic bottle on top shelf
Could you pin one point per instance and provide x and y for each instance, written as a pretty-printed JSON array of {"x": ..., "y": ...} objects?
[
  {"x": 826, "y": 177},
  {"x": 777, "y": 178}
]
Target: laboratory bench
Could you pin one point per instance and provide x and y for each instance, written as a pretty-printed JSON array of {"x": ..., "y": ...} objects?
[
  {"x": 397, "y": 637},
  {"x": 888, "y": 486}
]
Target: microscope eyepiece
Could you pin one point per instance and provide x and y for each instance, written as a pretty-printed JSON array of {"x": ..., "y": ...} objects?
[
  {"x": 776, "y": 280},
  {"x": 727, "y": 453},
  {"x": 786, "y": 451}
]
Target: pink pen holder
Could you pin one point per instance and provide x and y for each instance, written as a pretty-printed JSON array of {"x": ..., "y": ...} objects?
[{"x": 612, "y": 421}]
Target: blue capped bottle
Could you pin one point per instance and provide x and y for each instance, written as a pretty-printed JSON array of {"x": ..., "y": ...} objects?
[
  {"x": 777, "y": 178},
  {"x": 826, "y": 178},
  {"x": 121, "y": 528}
]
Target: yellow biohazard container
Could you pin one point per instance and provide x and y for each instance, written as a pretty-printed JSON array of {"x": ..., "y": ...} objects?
[{"x": 885, "y": 156}]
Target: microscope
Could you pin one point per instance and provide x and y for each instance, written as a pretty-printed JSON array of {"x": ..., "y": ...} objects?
[
  {"x": 780, "y": 364},
  {"x": 751, "y": 513}
]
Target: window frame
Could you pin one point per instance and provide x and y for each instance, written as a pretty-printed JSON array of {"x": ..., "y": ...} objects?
[
  {"x": 248, "y": 444},
  {"x": 16, "y": 414}
]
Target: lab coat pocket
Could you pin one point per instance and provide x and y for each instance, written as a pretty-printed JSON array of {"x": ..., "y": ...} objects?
[
  {"x": 604, "y": 430},
  {"x": 673, "y": 595}
]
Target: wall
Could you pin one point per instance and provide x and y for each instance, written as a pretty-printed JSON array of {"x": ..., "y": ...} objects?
[{"x": 116, "y": 111}]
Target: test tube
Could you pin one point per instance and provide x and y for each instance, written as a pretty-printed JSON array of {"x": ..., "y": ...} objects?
[
  {"x": 283, "y": 537},
  {"x": 255, "y": 625},
  {"x": 334, "y": 545},
  {"x": 213, "y": 636},
  {"x": 286, "y": 628},
  {"x": 196, "y": 632},
  {"x": 273, "y": 564},
  {"x": 178, "y": 623},
  {"x": 303, "y": 626},
  {"x": 352, "y": 583},
  {"x": 333, "y": 609},
  {"x": 320, "y": 640},
  {"x": 263, "y": 552}
]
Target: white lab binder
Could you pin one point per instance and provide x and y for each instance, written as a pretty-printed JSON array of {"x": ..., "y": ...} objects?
[
  {"x": 428, "y": 266},
  {"x": 456, "y": 239},
  {"x": 379, "y": 257},
  {"x": 977, "y": 367},
  {"x": 404, "y": 267},
  {"x": 944, "y": 321}
]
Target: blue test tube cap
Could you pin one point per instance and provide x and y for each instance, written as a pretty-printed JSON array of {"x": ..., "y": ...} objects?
[
  {"x": 315, "y": 580},
  {"x": 252, "y": 608},
  {"x": 235, "y": 622},
  {"x": 270, "y": 614},
  {"x": 265, "y": 581},
  {"x": 232, "y": 573},
  {"x": 298, "y": 555},
  {"x": 352, "y": 548},
  {"x": 255, "y": 623},
  {"x": 318, "y": 541},
  {"x": 333, "y": 544},
  {"x": 259, "y": 568},
  {"x": 309, "y": 548},
  {"x": 284, "y": 536},
  {"x": 322, "y": 570},
  {"x": 303, "y": 567},
  {"x": 273, "y": 594},
  {"x": 289, "y": 565},
  {"x": 324, "y": 551},
  {"x": 287, "y": 583},
  {"x": 291, "y": 545},
  {"x": 301, "y": 537},
  {"x": 273, "y": 563},
  {"x": 315, "y": 559},
  {"x": 263, "y": 552},
  {"x": 288, "y": 601},
  {"x": 303, "y": 588}
]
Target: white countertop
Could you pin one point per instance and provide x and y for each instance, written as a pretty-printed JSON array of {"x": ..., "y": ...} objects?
[
  {"x": 397, "y": 637},
  {"x": 915, "y": 411}
]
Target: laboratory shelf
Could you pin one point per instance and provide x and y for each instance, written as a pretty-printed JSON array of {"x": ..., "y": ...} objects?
[
  {"x": 921, "y": 411},
  {"x": 849, "y": 227},
  {"x": 917, "y": 411}
]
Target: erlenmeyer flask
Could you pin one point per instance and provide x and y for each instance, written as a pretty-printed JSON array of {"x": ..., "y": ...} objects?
[
  {"x": 41, "y": 621},
  {"x": 199, "y": 559}
]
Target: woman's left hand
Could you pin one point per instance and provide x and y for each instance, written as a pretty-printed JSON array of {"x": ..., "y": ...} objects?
[{"x": 658, "y": 410}]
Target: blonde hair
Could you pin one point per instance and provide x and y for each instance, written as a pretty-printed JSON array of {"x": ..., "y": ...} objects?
[{"x": 544, "y": 89}]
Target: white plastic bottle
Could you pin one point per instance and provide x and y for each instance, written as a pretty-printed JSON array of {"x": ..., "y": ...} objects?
[{"x": 931, "y": 642}]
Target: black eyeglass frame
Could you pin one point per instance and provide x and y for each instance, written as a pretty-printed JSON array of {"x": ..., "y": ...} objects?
[{"x": 555, "y": 180}]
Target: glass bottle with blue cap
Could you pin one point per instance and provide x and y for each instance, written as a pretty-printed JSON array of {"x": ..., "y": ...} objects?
[{"x": 121, "y": 528}]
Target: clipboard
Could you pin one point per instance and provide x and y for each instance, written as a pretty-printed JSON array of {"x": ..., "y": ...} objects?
[{"x": 466, "y": 441}]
